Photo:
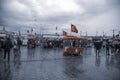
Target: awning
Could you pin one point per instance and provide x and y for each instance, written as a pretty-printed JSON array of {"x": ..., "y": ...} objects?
[{"x": 75, "y": 37}]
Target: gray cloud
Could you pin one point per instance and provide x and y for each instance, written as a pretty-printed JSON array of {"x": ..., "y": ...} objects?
[
  {"x": 114, "y": 3},
  {"x": 46, "y": 15}
]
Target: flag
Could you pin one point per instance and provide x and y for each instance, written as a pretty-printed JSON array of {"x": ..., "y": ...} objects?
[
  {"x": 64, "y": 33},
  {"x": 73, "y": 28}
]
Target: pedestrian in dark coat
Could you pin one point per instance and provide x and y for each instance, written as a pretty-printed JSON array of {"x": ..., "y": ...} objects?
[
  {"x": 98, "y": 45},
  {"x": 7, "y": 47},
  {"x": 107, "y": 48},
  {"x": 19, "y": 43}
]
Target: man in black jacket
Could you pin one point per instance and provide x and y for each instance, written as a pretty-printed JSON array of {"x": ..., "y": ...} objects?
[
  {"x": 19, "y": 43},
  {"x": 98, "y": 45},
  {"x": 107, "y": 48},
  {"x": 7, "y": 47}
]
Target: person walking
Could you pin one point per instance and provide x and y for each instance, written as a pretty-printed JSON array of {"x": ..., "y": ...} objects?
[
  {"x": 7, "y": 47},
  {"x": 112, "y": 46},
  {"x": 119, "y": 47},
  {"x": 19, "y": 43},
  {"x": 116, "y": 45},
  {"x": 98, "y": 45},
  {"x": 107, "y": 48}
]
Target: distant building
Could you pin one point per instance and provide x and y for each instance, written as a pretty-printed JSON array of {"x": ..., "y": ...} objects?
[{"x": 4, "y": 33}]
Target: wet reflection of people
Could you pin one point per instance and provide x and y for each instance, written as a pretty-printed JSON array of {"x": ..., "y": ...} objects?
[
  {"x": 31, "y": 53},
  {"x": 97, "y": 61},
  {"x": 109, "y": 61},
  {"x": 7, "y": 74},
  {"x": 16, "y": 60},
  {"x": 72, "y": 65}
]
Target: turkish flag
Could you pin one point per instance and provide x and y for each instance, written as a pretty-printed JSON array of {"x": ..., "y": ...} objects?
[{"x": 73, "y": 28}]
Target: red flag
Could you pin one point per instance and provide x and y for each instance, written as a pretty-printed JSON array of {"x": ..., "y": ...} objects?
[
  {"x": 73, "y": 28},
  {"x": 64, "y": 33}
]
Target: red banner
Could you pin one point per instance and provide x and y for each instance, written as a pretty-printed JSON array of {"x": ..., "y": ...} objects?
[{"x": 73, "y": 28}]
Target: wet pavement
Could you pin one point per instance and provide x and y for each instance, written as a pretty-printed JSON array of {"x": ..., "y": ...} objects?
[{"x": 50, "y": 64}]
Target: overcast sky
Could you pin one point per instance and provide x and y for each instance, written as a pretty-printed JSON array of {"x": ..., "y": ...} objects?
[{"x": 45, "y": 15}]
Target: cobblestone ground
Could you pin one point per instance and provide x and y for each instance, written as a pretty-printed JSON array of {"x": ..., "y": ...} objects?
[{"x": 50, "y": 64}]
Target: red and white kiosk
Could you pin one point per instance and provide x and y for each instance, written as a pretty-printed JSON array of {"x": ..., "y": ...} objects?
[{"x": 73, "y": 45}]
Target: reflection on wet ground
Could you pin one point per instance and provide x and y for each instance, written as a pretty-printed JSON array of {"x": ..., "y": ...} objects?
[{"x": 50, "y": 64}]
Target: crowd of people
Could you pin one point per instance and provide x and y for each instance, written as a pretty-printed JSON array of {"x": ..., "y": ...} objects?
[
  {"x": 7, "y": 44},
  {"x": 112, "y": 46}
]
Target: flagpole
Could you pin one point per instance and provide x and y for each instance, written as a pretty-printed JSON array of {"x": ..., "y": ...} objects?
[
  {"x": 70, "y": 33},
  {"x": 70, "y": 30}
]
